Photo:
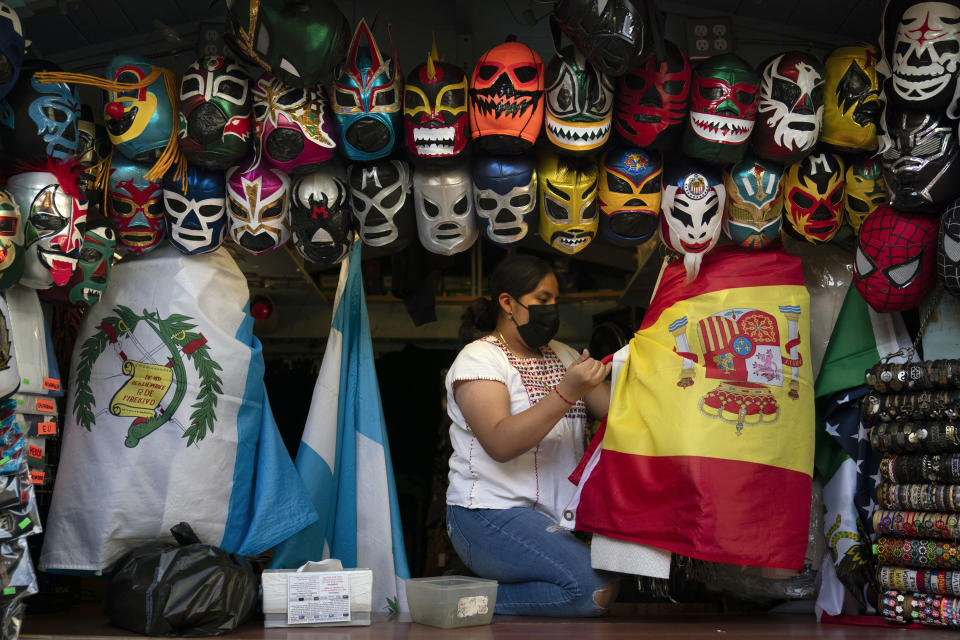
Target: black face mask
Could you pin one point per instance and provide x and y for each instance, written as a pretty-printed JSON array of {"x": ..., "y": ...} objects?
[{"x": 543, "y": 324}]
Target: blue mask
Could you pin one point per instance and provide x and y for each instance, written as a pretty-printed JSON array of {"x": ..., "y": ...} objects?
[
  {"x": 197, "y": 218},
  {"x": 12, "y": 48},
  {"x": 505, "y": 198},
  {"x": 39, "y": 120},
  {"x": 139, "y": 121}
]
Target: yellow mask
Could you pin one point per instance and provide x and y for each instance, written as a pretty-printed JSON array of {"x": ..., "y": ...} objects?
[
  {"x": 851, "y": 103},
  {"x": 568, "y": 202},
  {"x": 864, "y": 190}
]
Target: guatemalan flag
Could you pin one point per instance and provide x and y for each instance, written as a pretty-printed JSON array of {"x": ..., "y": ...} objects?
[{"x": 344, "y": 456}]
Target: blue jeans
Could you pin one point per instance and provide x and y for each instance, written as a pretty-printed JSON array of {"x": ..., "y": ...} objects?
[{"x": 542, "y": 570}]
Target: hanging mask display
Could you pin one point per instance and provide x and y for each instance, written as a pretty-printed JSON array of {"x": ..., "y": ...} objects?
[
  {"x": 39, "y": 120},
  {"x": 692, "y": 205},
  {"x": 11, "y": 241},
  {"x": 723, "y": 109},
  {"x": 629, "y": 190},
  {"x": 920, "y": 167},
  {"x": 506, "y": 105},
  {"x": 751, "y": 215},
  {"x": 139, "y": 120},
  {"x": 383, "y": 208},
  {"x": 196, "y": 218},
  {"x": 294, "y": 126},
  {"x": 922, "y": 44},
  {"x": 851, "y": 98},
  {"x": 13, "y": 47},
  {"x": 579, "y": 102},
  {"x": 94, "y": 263},
  {"x": 435, "y": 110},
  {"x": 505, "y": 195},
  {"x": 611, "y": 34},
  {"x": 444, "y": 203},
  {"x": 790, "y": 107},
  {"x": 568, "y": 202},
  {"x": 948, "y": 248},
  {"x": 366, "y": 99},
  {"x": 863, "y": 191},
  {"x": 299, "y": 42},
  {"x": 258, "y": 207},
  {"x": 55, "y": 217},
  {"x": 135, "y": 206},
  {"x": 320, "y": 215},
  {"x": 895, "y": 264},
  {"x": 813, "y": 196},
  {"x": 652, "y": 101},
  {"x": 214, "y": 113}
]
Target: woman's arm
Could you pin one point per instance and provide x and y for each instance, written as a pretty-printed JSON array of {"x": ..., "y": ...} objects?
[{"x": 598, "y": 400}]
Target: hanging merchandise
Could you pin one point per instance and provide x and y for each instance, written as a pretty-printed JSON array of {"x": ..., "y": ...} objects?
[
  {"x": 258, "y": 207},
  {"x": 813, "y": 197},
  {"x": 320, "y": 215},
  {"x": 568, "y": 202},
  {"x": 653, "y": 100},
  {"x": 631, "y": 181},
  {"x": 93, "y": 145},
  {"x": 579, "y": 101},
  {"x": 435, "y": 120},
  {"x": 895, "y": 266},
  {"x": 723, "y": 109},
  {"x": 692, "y": 209},
  {"x": 790, "y": 107},
  {"x": 294, "y": 126},
  {"x": 139, "y": 121},
  {"x": 444, "y": 203},
  {"x": 215, "y": 113},
  {"x": 39, "y": 120},
  {"x": 196, "y": 218},
  {"x": 11, "y": 240},
  {"x": 612, "y": 35},
  {"x": 299, "y": 42},
  {"x": 383, "y": 208},
  {"x": 852, "y": 103},
  {"x": 55, "y": 215},
  {"x": 751, "y": 215},
  {"x": 135, "y": 205},
  {"x": 9, "y": 368},
  {"x": 366, "y": 99},
  {"x": 920, "y": 165},
  {"x": 13, "y": 47},
  {"x": 863, "y": 189},
  {"x": 94, "y": 263},
  {"x": 506, "y": 106},
  {"x": 948, "y": 248},
  {"x": 505, "y": 195}
]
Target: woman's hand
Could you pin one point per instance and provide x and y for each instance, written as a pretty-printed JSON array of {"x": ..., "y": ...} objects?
[{"x": 582, "y": 376}]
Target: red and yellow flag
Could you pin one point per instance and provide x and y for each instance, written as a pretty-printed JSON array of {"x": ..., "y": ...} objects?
[{"x": 708, "y": 445}]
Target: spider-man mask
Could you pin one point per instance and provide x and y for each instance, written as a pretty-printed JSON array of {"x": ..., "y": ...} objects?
[
  {"x": 630, "y": 183},
  {"x": 813, "y": 196},
  {"x": 948, "y": 248},
  {"x": 652, "y": 100},
  {"x": 435, "y": 111},
  {"x": 896, "y": 259},
  {"x": 135, "y": 206}
]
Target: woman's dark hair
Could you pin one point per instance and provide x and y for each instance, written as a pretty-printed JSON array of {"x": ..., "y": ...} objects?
[{"x": 517, "y": 275}]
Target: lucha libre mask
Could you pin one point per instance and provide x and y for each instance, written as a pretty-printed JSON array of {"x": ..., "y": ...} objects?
[
  {"x": 813, "y": 196},
  {"x": 863, "y": 191},
  {"x": 505, "y": 195},
  {"x": 611, "y": 34},
  {"x": 366, "y": 99},
  {"x": 299, "y": 42},
  {"x": 692, "y": 204},
  {"x": 11, "y": 241},
  {"x": 896, "y": 259},
  {"x": 258, "y": 207},
  {"x": 139, "y": 120},
  {"x": 852, "y": 98},
  {"x": 320, "y": 215},
  {"x": 790, "y": 107},
  {"x": 39, "y": 120},
  {"x": 294, "y": 126},
  {"x": 506, "y": 109},
  {"x": 435, "y": 110},
  {"x": 948, "y": 248},
  {"x": 652, "y": 100},
  {"x": 135, "y": 206},
  {"x": 56, "y": 217},
  {"x": 214, "y": 113},
  {"x": 197, "y": 218},
  {"x": 444, "y": 203},
  {"x": 93, "y": 145},
  {"x": 382, "y": 207},
  {"x": 12, "y": 48},
  {"x": 568, "y": 203},
  {"x": 751, "y": 216},
  {"x": 922, "y": 44},
  {"x": 94, "y": 263},
  {"x": 723, "y": 108},
  {"x": 630, "y": 185},
  {"x": 920, "y": 166},
  {"x": 579, "y": 102}
]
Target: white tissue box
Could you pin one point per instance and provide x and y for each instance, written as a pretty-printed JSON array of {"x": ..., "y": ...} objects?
[{"x": 274, "y": 583}]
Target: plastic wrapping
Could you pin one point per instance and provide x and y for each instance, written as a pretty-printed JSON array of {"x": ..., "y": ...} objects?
[{"x": 180, "y": 589}]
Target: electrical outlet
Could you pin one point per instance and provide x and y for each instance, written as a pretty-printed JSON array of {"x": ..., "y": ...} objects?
[{"x": 709, "y": 37}]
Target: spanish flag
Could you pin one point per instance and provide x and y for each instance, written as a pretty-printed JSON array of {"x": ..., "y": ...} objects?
[{"x": 708, "y": 445}]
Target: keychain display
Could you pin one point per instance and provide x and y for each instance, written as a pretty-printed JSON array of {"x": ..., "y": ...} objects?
[
  {"x": 579, "y": 104},
  {"x": 929, "y": 375},
  {"x": 506, "y": 99},
  {"x": 505, "y": 198},
  {"x": 916, "y": 437},
  {"x": 652, "y": 101},
  {"x": 631, "y": 182},
  {"x": 751, "y": 214},
  {"x": 927, "y": 406}
]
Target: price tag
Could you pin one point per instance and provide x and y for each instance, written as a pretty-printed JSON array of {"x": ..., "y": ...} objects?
[
  {"x": 46, "y": 405},
  {"x": 36, "y": 477},
  {"x": 35, "y": 452},
  {"x": 314, "y": 598},
  {"x": 51, "y": 384},
  {"x": 47, "y": 428}
]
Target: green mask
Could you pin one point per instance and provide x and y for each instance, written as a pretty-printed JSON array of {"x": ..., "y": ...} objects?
[
  {"x": 11, "y": 241},
  {"x": 96, "y": 258}
]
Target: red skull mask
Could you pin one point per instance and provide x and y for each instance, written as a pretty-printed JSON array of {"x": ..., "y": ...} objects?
[
  {"x": 652, "y": 100},
  {"x": 506, "y": 106}
]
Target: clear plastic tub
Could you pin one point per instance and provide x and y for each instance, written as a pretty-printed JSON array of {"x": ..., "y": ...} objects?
[{"x": 451, "y": 601}]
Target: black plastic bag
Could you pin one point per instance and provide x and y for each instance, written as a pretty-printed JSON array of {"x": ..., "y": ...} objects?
[{"x": 184, "y": 589}]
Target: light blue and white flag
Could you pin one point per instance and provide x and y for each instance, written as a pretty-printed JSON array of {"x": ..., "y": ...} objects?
[{"x": 344, "y": 456}]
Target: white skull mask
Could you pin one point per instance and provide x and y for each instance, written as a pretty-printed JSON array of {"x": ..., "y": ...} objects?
[
  {"x": 791, "y": 104},
  {"x": 926, "y": 53},
  {"x": 381, "y": 207},
  {"x": 507, "y": 213},
  {"x": 692, "y": 209},
  {"x": 444, "y": 204}
]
